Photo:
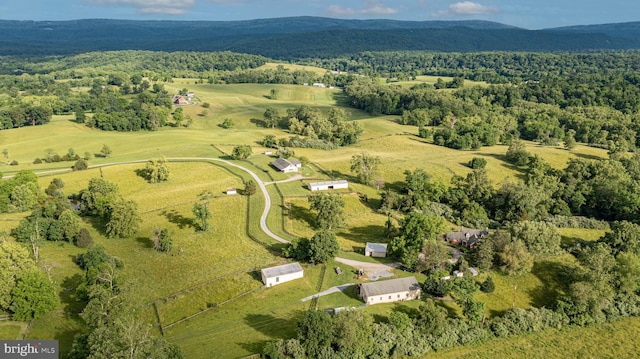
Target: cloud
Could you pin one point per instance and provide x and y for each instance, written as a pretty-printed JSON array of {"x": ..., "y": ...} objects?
[
  {"x": 170, "y": 7},
  {"x": 466, "y": 8},
  {"x": 371, "y": 7}
]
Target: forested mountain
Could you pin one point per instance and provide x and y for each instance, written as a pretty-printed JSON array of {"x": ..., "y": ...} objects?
[{"x": 303, "y": 36}]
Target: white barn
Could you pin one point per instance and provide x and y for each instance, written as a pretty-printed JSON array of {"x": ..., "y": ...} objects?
[
  {"x": 375, "y": 250},
  {"x": 387, "y": 291},
  {"x": 280, "y": 274},
  {"x": 286, "y": 166},
  {"x": 323, "y": 186}
]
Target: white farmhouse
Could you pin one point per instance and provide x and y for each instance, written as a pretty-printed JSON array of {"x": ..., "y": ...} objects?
[
  {"x": 375, "y": 250},
  {"x": 387, "y": 291},
  {"x": 280, "y": 274},
  {"x": 323, "y": 186}
]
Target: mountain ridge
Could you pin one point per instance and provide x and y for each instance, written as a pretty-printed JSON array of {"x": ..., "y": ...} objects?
[{"x": 304, "y": 36}]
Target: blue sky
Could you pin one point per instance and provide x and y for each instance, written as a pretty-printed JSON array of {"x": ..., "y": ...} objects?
[{"x": 523, "y": 13}]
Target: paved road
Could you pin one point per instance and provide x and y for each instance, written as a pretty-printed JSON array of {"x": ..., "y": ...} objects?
[
  {"x": 263, "y": 188},
  {"x": 338, "y": 288},
  {"x": 371, "y": 270}
]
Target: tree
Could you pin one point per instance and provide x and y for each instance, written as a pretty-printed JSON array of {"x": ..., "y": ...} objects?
[
  {"x": 33, "y": 296},
  {"x": 269, "y": 141},
  {"x": 241, "y": 152},
  {"x": 315, "y": 331},
  {"x": 105, "y": 151},
  {"x": 227, "y": 123},
  {"x": 98, "y": 195},
  {"x": 417, "y": 230},
  {"x": 271, "y": 117},
  {"x": 14, "y": 261},
  {"x": 162, "y": 241},
  {"x": 250, "y": 188},
  {"x": 570, "y": 140},
  {"x": 273, "y": 94},
  {"x": 83, "y": 238},
  {"x": 365, "y": 167},
  {"x": 201, "y": 212},
  {"x": 157, "y": 170},
  {"x": 432, "y": 319},
  {"x": 516, "y": 259},
  {"x": 178, "y": 116},
  {"x": 323, "y": 246},
  {"x": 541, "y": 238},
  {"x": 5, "y": 152},
  {"x": 123, "y": 218},
  {"x": 329, "y": 208},
  {"x": 80, "y": 165},
  {"x": 517, "y": 153},
  {"x": 69, "y": 223},
  {"x": 284, "y": 152},
  {"x": 25, "y": 196}
]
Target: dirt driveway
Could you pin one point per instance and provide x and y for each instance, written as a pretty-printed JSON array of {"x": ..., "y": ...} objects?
[{"x": 373, "y": 271}]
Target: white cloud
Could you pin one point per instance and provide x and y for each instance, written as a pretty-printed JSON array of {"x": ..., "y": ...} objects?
[
  {"x": 171, "y": 7},
  {"x": 371, "y": 7},
  {"x": 466, "y": 8}
]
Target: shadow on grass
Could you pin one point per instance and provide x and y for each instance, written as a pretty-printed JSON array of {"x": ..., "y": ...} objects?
[
  {"x": 302, "y": 214},
  {"x": 403, "y": 308},
  {"x": 254, "y": 346},
  {"x": 145, "y": 242},
  {"x": 143, "y": 173},
  {"x": 587, "y": 156},
  {"x": 176, "y": 218},
  {"x": 556, "y": 278},
  {"x": 270, "y": 325},
  {"x": 65, "y": 338},
  {"x": 68, "y": 295},
  {"x": 364, "y": 234}
]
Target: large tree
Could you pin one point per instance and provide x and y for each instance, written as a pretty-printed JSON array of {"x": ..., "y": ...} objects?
[
  {"x": 33, "y": 296},
  {"x": 329, "y": 208},
  {"x": 201, "y": 212},
  {"x": 541, "y": 238},
  {"x": 365, "y": 167},
  {"x": 323, "y": 246},
  {"x": 417, "y": 230},
  {"x": 14, "y": 260},
  {"x": 123, "y": 219},
  {"x": 241, "y": 152},
  {"x": 157, "y": 170}
]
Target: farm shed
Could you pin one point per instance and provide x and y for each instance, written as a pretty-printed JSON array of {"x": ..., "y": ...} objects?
[
  {"x": 323, "y": 186},
  {"x": 286, "y": 166},
  {"x": 280, "y": 274},
  {"x": 375, "y": 250},
  {"x": 387, "y": 291}
]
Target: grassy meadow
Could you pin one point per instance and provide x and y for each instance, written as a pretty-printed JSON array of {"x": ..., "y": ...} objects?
[{"x": 213, "y": 269}]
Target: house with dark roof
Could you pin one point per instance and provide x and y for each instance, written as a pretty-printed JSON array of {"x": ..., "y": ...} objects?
[
  {"x": 375, "y": 250},
  {"x": 466, "y": 237},
  {"x": 286, "y": 166},
  {"x": 387, "y": 291},
  {"x": 280, "y": 274}
]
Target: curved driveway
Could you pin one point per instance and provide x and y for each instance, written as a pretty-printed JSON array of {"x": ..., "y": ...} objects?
[{"x": 263, "y": 188}]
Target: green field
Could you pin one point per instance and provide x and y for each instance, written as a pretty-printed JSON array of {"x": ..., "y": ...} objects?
[{"x": 213, "y": 270}]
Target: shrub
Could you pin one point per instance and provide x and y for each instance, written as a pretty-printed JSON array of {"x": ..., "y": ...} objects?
[
  {"x": 37, "y": 161},
  {"x": 14, "y": 163},
  {"x": 488, "y": 286},
  {"x": 83, "y": 238},
  {"x": 477, "y": 162},
  {"x": 80, "y": 165}
]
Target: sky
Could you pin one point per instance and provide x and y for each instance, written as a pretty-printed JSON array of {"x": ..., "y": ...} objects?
[{"x": 528, "y": 14}]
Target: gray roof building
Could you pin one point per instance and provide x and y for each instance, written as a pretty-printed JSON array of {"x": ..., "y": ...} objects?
[
  {"x": 389, "y": 287},
  {"x": 282, "y": 270}
]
